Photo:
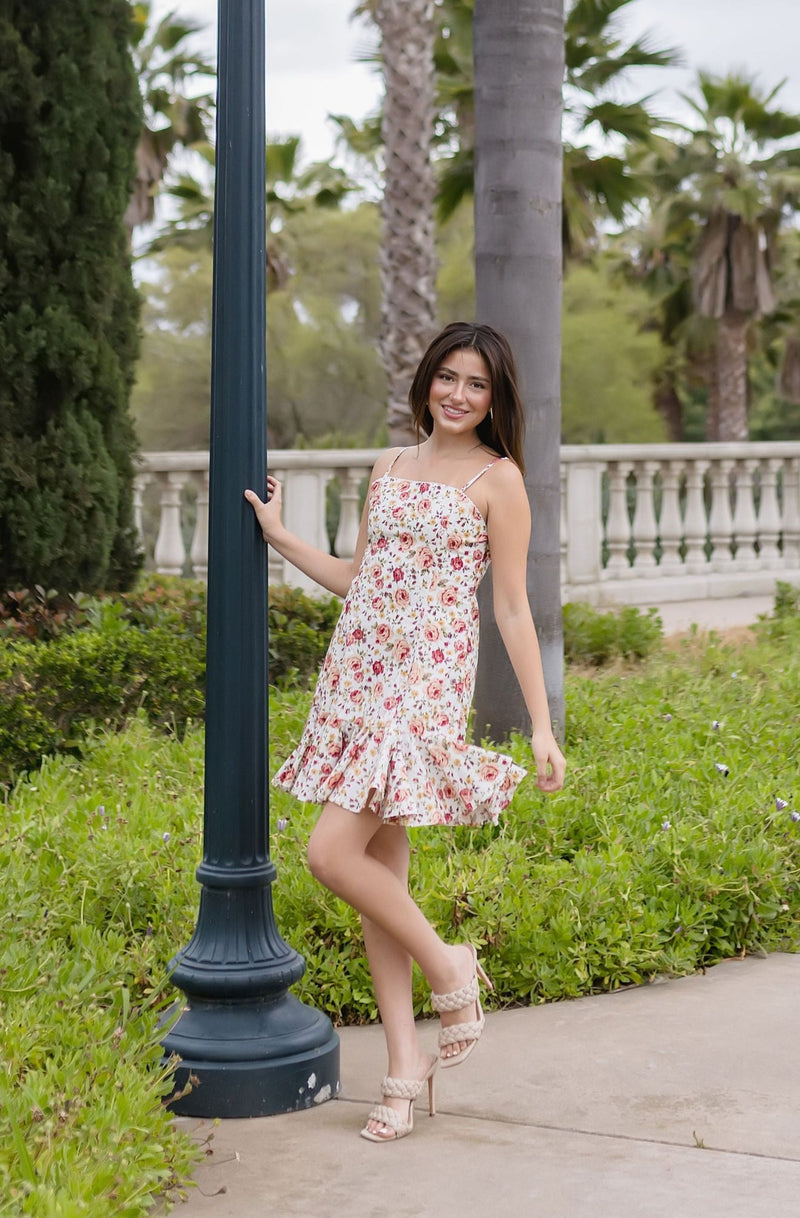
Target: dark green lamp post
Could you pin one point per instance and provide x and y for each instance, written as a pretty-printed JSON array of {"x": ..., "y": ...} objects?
[{"x": 248, "y": 1045}]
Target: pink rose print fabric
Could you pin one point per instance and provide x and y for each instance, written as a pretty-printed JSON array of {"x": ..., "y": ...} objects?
[{"x": 387, "y": 726}]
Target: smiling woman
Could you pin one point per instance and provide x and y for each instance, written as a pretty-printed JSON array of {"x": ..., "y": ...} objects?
[{"x": 385, "y": 745}]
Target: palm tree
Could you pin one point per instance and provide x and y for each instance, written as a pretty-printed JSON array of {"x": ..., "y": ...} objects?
[
  {"x": 289, "y": 191},
  {"x": 408, "y": 252},
  {"x": 657, "y": 253},
  {"x": 172, "y": 118},
  {"x": 736, "y": 181},
  {"x": 597, "y": 184},
  {"x": 519, "y": 67}
]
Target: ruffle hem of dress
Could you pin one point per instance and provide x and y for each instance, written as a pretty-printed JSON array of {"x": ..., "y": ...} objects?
[{"x": 406, "y": 779}]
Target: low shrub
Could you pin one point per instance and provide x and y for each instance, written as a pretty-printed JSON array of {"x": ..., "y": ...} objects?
[
  {"x": 99, "y": 659},
  {"x": 51, "y": 692},
  {"x": 595, "y": 637},
  {"x": 784, "y": 621},
  {"x": 300, "y": 629},
  {"x": 35, "y": 613},
  {"x": 787, "y": 600}
]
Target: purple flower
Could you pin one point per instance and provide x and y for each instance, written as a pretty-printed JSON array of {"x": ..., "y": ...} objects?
[
  {"x": 668, "y": 718},
  {"x": 281, "y": 824},
  {"x": 666, "y": 825},
  {"x": 723, "y": 769},
  {"x": 716, "y": 725},
  {"x": 795, "y": 815},
  {"x": 780, "y": 804},
  {"x": 165, "y": 837}
]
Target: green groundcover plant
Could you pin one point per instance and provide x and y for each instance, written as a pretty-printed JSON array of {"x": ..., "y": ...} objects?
[{"x": 675, "y": 844}]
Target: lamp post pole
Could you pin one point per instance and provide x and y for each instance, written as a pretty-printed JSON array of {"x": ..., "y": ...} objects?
[{"x": 247, "y": 1046}]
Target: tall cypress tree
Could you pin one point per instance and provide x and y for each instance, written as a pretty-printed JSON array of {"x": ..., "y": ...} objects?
[{"x": 70, "y": 117}]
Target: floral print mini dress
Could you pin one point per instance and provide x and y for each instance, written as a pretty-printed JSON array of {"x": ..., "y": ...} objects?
[{"x": 388, "y": 722}]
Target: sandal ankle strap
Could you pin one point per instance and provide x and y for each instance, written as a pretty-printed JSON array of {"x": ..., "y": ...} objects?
[
  {"x": 402, "y": 1088},
  {"x": 456, "y": 999}
]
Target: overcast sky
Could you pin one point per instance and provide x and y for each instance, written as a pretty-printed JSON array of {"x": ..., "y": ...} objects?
[{"x": 312, "y": 46}]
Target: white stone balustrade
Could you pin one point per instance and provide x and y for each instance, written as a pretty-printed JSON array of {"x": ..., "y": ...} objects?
[{"x": 640, "y": 524}]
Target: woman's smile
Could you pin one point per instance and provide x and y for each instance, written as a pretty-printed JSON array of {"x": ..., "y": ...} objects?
[{"x": 461, "y": 390}]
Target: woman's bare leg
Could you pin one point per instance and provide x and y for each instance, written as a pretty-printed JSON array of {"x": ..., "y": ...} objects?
[
  {"x": 390, "y": 966},
  {"x": 339, "y": 858}
]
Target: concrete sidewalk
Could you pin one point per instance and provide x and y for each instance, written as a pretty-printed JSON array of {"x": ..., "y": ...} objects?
[
  {"x": 679, "y": 1099},
  {"x": 733, "y": 611}
]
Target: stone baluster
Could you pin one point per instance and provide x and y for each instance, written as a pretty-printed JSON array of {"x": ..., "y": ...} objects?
[
  {"x": 140, "y": 485},
  {"x": 304, "y": 515},
  {"x": 720, "y": 521},
  {"x": 582, "y": 522},
  {"x": 199, "y": 550},
  {"x": 618, "y": 525},
  {"x": 563, "y": 526},
  {"x": 349, "y": 514},
  {"x": 745, "y": 525},
  {"x": 791, "y": 512},
  {"x": 769, "y": 516},
  {"x": 695, "y": 527},
  {"x": 670, "y": 525},
  {"x": 170, "y": 553},
  {"x": 645, "y": 528}
]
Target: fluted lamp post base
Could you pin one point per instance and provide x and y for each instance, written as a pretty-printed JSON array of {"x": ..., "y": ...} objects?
[
  {"x": 247, "y": 1059},
  {"x": 247, "y": 1046}
]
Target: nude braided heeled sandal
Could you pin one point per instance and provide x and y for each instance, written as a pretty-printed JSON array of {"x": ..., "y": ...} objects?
[
  {"x": 400, "y": 1089},
  {"x": 469, "y": 1031}
]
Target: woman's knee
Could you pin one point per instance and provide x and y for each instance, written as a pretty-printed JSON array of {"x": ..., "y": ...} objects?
[{"x": 321, "y": 858}]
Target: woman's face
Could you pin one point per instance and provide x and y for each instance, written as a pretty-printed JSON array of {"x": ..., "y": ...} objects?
[{"x": 460, "y": 395}]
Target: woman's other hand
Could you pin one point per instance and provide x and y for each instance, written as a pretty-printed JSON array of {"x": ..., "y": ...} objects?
[
  {"x": 550, "y": 763},
  {"x": 268, "y": 514}
]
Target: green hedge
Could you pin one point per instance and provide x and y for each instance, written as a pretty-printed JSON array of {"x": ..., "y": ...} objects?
[{"x": 69, "y": 662}]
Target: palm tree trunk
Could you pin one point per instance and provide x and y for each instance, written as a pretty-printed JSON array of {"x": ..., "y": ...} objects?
[
  {"x": 519, "y": 67},
  {"x": 408, "y": 251},
  {"x": 669, "y": 405},
  {"x": 732, "y": 377},
  {"x": 712, "y": 395}
]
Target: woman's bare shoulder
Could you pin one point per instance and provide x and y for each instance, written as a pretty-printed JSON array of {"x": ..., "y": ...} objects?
[
  {"x": 505, "y": 475},
  {"x": 384, "y": 462}
]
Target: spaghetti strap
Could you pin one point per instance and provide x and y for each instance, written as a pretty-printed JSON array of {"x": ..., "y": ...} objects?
[
  {"x": 481, "y": 472},
  {"x": 399, "y": 453}
]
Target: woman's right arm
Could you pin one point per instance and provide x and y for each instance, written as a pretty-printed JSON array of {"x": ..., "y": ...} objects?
[{"x": 335, "y": 574}]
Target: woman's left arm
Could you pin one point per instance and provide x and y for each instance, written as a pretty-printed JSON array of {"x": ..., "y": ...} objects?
[{"x": 508, "y": 525}]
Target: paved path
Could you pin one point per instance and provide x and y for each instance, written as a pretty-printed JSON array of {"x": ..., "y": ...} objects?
[
  {"x": 679, "y": 1099},
  {"x": 714, "y": 614}
]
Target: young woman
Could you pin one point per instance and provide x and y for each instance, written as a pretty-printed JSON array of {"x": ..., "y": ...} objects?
[{"x": 385, "y": 743}]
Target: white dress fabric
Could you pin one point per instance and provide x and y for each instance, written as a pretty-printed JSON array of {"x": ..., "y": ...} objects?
[{"x": 388, "y": 722}]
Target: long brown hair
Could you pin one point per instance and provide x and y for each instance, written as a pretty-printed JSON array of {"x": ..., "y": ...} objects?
[{"x": 503, "y": 428}]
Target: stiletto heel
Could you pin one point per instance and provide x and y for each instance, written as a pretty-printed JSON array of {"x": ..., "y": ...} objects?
[
  {"x": 401, "y": 1089},
  {"x": 470, "y": 1031}
]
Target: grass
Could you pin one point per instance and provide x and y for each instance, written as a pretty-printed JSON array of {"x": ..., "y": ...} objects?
[{"x": 669, "y": 849}]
